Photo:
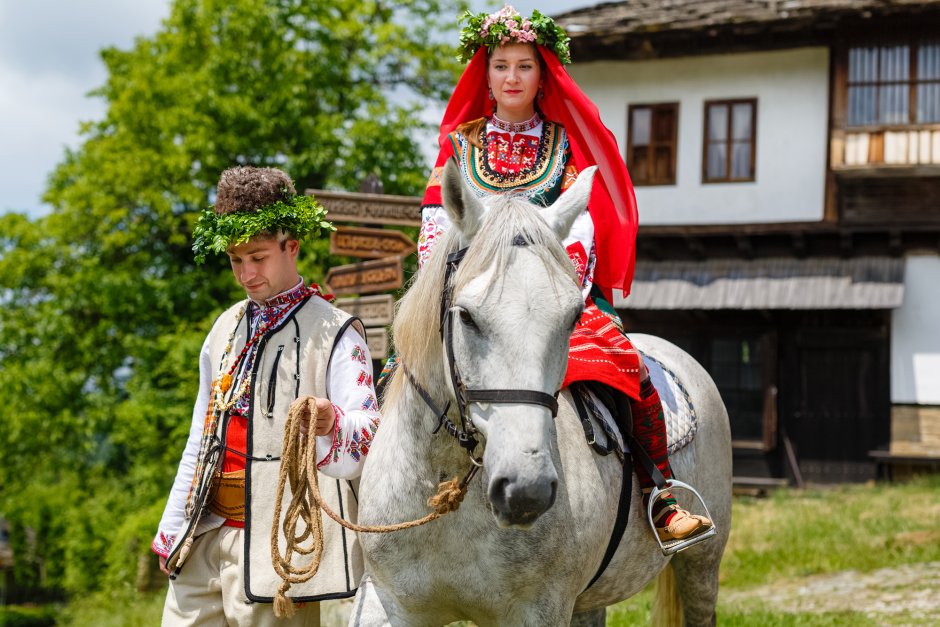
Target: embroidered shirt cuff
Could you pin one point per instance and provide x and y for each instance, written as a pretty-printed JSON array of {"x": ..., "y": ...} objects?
[
  {"x": 162, "y": 544},
  {"x": 333, "y": 454}
]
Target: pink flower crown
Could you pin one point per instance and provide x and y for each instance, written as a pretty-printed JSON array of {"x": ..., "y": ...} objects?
[{"x": 507, "y": 26}]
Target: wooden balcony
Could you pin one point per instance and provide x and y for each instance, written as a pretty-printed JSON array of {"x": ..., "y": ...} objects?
[{"x": 886, "y": 175}]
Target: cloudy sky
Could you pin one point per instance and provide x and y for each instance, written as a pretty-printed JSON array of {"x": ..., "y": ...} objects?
[{"x": 49, "y": 61}]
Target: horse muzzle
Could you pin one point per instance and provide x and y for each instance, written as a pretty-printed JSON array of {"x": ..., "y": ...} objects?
[{"x": 519, "y": 498}]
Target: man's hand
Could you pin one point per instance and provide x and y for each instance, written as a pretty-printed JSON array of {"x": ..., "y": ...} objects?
[
  {"x": 319, "y": 412},
  {"x": 163, "y": 568}
]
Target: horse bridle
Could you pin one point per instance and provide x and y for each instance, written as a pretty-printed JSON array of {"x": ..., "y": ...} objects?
[{"x": 466, "y": 432}]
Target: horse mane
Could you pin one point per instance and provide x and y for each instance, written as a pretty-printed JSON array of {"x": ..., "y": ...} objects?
[{"x": 510, "y": 217}]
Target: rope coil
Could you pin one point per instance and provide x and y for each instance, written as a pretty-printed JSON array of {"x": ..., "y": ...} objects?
[{"x": 299, "y": 469}]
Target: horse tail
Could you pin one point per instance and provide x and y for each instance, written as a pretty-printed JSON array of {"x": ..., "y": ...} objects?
[{"x": 667, "y": 608}]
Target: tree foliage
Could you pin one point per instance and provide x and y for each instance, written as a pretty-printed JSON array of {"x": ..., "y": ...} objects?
[{"x": 103, "y": 310}]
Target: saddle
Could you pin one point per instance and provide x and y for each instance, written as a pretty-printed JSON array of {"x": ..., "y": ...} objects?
[{"x": 600, "y": 405}]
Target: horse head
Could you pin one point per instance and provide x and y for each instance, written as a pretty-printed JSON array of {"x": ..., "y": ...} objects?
[{"x": 509, "y": 310}]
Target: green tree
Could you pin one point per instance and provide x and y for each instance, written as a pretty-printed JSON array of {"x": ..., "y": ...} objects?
[{"x": 103, "y": 311}]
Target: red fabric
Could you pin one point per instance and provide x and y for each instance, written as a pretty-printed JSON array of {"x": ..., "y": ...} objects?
[
  {"x": 612, "y": 205},
  {"x": 649, "y": 428},
  {"x": 236, "y": 437},
  {"x": 599, "y": 351}
]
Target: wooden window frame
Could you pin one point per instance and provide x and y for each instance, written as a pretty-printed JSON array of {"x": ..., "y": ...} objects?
[
  {"x": 651, "y": 147},
  {"x": 913, "y": 42},
  {"x": 730, "y": 102}
]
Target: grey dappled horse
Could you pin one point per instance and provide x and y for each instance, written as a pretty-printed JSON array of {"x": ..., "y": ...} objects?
[{"x": 535, "y": 523}]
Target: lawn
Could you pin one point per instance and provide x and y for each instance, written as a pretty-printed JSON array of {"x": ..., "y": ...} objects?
[
  {"x": 846, "y": 555},
  {"x": 869, "y": 551}
]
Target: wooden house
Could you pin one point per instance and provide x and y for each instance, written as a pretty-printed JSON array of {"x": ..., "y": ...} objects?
[{"x": 786, "y": 160}]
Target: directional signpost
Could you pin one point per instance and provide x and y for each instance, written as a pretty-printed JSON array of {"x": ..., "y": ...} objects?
[
  {"x": 367, "y": 277},
  {"x": 377, "y": 341},
  {"x": 385, "y": 247},
  {"x": 374, "y": 311},
  {"x": 369, "y": 208},
  {"x": 369, "y": 243}
]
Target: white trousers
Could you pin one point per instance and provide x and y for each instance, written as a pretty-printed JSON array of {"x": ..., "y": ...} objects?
[{"x": 210, "y": 590}]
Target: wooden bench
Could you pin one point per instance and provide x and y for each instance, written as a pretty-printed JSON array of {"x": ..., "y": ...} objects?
[
  {"x": 757, "y": 486},
  {"x": 888, "y": 464}
]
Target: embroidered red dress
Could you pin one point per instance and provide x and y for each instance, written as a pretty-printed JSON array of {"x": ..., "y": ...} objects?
[{"x": 534, "y": 158}]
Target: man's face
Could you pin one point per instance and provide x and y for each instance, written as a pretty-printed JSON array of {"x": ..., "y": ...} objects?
[{"x": 265, "y": 267}]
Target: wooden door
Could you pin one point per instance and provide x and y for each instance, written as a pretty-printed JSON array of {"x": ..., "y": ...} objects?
[{"x": 836, "y": 397}]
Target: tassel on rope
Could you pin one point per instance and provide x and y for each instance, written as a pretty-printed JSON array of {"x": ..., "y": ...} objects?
[
  {"x": 283, "y": 606},
  {"x": 299, "y": 470}
]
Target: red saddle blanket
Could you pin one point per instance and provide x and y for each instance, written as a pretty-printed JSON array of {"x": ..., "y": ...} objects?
[{"x": 599, "y": 351}]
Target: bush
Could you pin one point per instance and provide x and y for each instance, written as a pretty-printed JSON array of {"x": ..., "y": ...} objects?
[{"x": 14, "y": 616}]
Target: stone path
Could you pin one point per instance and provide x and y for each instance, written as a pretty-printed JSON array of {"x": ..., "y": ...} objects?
[{"x": 901, "y": 595}]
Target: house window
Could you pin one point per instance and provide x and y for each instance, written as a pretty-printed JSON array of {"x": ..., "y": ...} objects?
[
  {"x": 730, "y": 139},
  {"x": 894, "y": 85},
  {"x": 651, "y": 143}
]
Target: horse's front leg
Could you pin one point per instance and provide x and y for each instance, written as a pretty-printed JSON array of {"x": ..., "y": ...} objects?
[
  {"x": 592, "y": 618},
  {"x": 368, "y": 609}
]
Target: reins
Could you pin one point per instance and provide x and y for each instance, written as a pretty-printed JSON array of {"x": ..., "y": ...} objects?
[
  {"x": 299, "y": 468},
  {"x": 299, "y": 460}
]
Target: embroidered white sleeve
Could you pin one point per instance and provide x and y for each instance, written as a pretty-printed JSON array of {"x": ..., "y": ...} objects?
[
  {"x": 583, "y": 231},
  {"x": 349, "y": 385},
  {"x": 172, "y": 521},
  {"x": 434, "y": 221}
]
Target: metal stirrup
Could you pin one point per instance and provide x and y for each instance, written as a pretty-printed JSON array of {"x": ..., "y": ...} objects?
[{"x": 671, "y": 547}]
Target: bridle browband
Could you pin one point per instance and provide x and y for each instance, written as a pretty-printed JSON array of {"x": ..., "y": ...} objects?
[{"x": 464, "y": 396}]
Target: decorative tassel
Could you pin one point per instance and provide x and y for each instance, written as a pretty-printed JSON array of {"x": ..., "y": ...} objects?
[
  {"x": 283, "y": 606},
  {"x": 184, "y": 551},
  {"x": 226, "y": 383}
]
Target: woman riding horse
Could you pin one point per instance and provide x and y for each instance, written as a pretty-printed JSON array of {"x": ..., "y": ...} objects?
[{"x": 517, "y": 122}]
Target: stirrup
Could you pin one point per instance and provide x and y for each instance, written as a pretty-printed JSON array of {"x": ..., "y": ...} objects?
[{"x": 671, "y": 547}]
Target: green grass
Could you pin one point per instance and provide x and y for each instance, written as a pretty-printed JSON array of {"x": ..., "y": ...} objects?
[
  {"x": 796, "y": 533},
  {"x": 774, "y": 541}
]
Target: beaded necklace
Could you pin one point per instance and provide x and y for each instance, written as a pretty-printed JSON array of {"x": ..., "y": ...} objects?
[{"x": 516, "y": 127}]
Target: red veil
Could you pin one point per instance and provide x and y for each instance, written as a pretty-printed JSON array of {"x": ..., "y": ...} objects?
[{"x": 612, "y": 205}]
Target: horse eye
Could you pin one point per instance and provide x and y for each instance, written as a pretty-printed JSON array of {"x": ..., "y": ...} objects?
[{"x": 467, "y": 319}]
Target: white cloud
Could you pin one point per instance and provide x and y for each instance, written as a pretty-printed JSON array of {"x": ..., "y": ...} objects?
[{"x": 49, "y": 61}]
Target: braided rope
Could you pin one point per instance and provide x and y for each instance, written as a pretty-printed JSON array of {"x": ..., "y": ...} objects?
[{"x": 299, "y": 468}]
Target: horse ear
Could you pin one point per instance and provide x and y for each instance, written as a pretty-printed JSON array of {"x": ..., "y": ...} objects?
[
  {"x": 463, "y": 207},
  {"x": 561, "y": 215}
]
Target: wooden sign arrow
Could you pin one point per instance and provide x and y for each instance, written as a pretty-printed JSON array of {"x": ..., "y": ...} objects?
[
  {"x": 369, "y": 243},
  {"x": 369, "y": 208},
  {"x": 367, "y": 277},
  {"x": 374, "y": 311}
]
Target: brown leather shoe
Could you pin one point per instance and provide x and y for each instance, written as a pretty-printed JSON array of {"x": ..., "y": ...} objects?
[{"x": 683, "y": 525}]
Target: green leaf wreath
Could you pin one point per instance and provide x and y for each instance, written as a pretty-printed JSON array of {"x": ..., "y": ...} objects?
[{"x": 214, "y": 233}]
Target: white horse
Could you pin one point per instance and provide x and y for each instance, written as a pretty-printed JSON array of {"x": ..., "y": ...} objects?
[{"x": 534, "y": 527}]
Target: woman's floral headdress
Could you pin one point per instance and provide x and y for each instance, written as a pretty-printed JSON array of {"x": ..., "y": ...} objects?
[
  {"x": 300, "y": 216},
  {"x": 507, "y": 26}
]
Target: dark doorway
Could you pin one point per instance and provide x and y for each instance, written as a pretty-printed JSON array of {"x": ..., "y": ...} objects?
[
  {"x": 835, "y": 400},
  {"x": 817, "y": 378}
]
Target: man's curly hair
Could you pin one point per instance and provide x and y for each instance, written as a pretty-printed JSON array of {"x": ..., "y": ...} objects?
[{"x": 248, "y": 188}]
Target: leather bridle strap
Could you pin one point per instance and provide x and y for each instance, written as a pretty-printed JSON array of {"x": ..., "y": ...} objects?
[{"x": 530, "y": 397}]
